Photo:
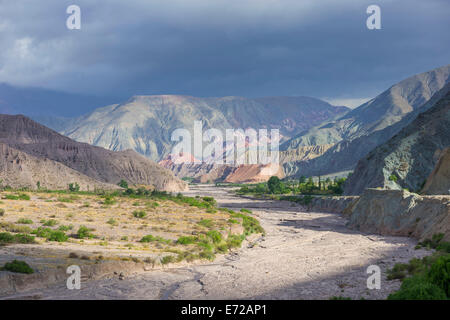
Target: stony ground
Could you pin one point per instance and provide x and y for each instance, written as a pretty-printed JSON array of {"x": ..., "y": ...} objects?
[{"x": 304, "y": 255}]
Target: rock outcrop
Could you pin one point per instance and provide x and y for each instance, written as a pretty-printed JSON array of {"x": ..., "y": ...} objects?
[
  {"x": 439, "y": 180},
  {"x": 399, "y": 212},
  {"x": 407, "y": 159},
  {"x": 19, "y": 170}
]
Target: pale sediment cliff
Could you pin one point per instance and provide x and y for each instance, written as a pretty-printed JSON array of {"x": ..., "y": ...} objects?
[
  {"x": 399, "y": 212},
  {"x": 392, "y": 212}
]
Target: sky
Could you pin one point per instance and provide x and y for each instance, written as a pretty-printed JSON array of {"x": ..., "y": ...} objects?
[{"x": 208, "y": 48}]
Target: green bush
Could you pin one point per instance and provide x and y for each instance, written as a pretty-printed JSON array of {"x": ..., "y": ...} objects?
[
  {"x": 234, "y": 241},
  {"x": 167, "y": 259},
  {"x": 74, "y": 187},
  {"x": 123, "y": 184},
  {"x": 18, "y": 266},
  {"x": 186, "y": 240},
  {"x": 439, "y": 273},
  {"x": 151, "y": 238},
  {"x": 51, "y": 235},
  {"x": 418, "y": 288},
  {"x": 50, "y": 223},
  {"x": 8, "y": 238},
  {"x": 84, "y": 232},
  {"x": 215, "y": 236},
  {"x": 393, "y": 177},
  {"x": 24, "y": 221},
  {"x": 139, "y": 214}
]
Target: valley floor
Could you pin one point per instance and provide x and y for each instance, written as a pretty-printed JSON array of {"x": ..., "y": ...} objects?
[{"x": 304, "y": 255}]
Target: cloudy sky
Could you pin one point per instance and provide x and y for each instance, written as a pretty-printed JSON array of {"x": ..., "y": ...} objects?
[{"x": 319, "y": 48}]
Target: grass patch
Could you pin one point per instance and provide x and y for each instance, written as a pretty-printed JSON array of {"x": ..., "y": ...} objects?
[
  {"x": 151, "y": 238},
  {"x": 24, "y": 221}
]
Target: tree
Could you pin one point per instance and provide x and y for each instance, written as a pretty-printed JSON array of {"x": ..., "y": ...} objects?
[
  {"x": 274, "y": 184},
  {"x": 74, "y": 187}
]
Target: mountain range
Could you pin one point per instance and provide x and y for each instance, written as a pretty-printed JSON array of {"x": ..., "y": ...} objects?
[
  {"x": 407, "y": 159},
  {"x": 32, "y": 153}
]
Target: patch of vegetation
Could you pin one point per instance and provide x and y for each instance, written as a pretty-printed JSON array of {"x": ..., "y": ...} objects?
[
  {"x": 74, "y": 187},
  {"x": 18, "y": 266},
  {"x": 139, "y": 214},
  {"x": 167, "y": 259},
  {"x": 109, "y": 200},
  {"x": 250, "y": 224},
  {"x": 24, "y": 221},
  {"x": 207, "y": 223},
  {"x": 112, "y": 222},
  {"x": 84, "y": 233},
  {"x": 50, "y": 234},
  {"x": 123, "y": 184},
  {"x": 303, "y": 186},
  {"x": 187, "y": 240},
  {"x": 8, "y": 238},
  {"x": 393, "y": 178},
  {"x": 427, "y": 278},
  {"x": 215, "y": 236},
  {"x": 151, "y": 238},
  {"x": 49, "y": 223},
  {"x": 65, "y": 228},
  {"x": 20, "y": 196},
  {"x": 11, "y": 227}
]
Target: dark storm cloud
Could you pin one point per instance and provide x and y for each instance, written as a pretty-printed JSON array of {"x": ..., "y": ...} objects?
[{"x": 221, "y": 47}]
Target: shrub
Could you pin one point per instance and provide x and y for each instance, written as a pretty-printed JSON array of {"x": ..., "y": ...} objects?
[
  {"x": 112, "y": 222},
  {"x": 18, "y": 266},
  {"x": 123, "y": 184},
  {"x": 109, "y": 200},
  {"x": 393, "y": 177},
  {"x": 418, "y": 288},
  {"x": 186, "y": 240},
  {"x": 439, "y": 274},
  {"x": 2, "y": 212},
  {"x": 151, "y": 238},
  {"x": 84, "y": 232},
  {"x": 245, "y": 210},
  {"x": 167, "y": 259},
  {"x": 6, "y": 238},
  {"x": 234, "y": 241},
  {"x": 50, "y": 223},
  {"x": 215, "y": 236},
  {"x": 65, "y": 228},
  {"x": 24, "y": 221},
  {"x": 23, "y": 238},
  {"x": 74, "y": 187},
  {"x": 51, "y": 235},
  {"x": 139, "y": 214}
]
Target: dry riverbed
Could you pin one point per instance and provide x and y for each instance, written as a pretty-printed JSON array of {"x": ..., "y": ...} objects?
[{"x": 304, "y": 255}]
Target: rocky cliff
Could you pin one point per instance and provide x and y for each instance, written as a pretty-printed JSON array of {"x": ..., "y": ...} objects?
[
  {"x": 399, "y": 212},
  {"x": 407, "y": 159}
]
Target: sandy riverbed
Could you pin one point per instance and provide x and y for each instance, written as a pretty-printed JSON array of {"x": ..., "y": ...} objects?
[{"x": 304, "y": 255}]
